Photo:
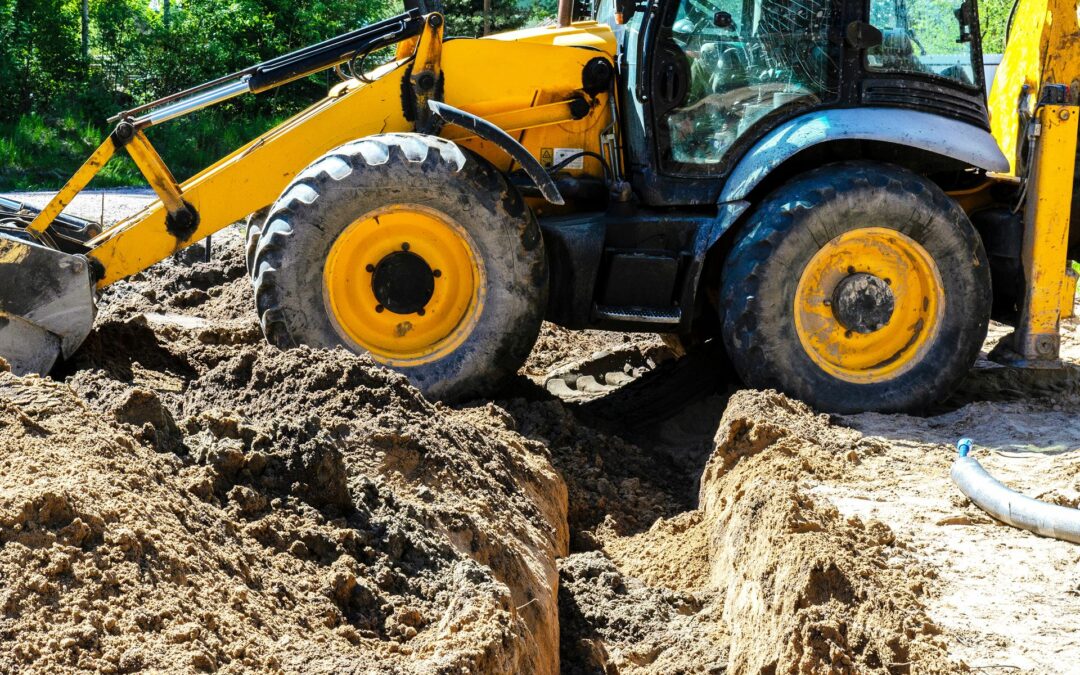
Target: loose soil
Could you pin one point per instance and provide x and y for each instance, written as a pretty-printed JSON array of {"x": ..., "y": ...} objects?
[{"x": 180, "y": 496}]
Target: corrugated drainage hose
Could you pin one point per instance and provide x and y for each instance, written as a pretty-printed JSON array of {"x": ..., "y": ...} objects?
[{"x": 1049, "y": 520}]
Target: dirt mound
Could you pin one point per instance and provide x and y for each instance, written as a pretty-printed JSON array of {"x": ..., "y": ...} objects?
[
  {"x": 557, "y": 347},
  {"x": 806, "y": 591},
  {"x": 317, "y": 512},
  {"x": 764, "y": 576},
  {"x": 192, "y": 498},
  {"x": 189, "y": 284}
]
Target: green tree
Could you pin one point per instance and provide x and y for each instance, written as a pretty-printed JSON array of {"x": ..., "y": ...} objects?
[
  {"x": 39, "y": 54},
  {"x": 993, "y": 16},
  {"x": 465, "y": 18}
]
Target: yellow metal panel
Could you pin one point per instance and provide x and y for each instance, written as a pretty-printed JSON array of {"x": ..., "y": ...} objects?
[
  {"x": 1046, "y": 231},
  {"x": 1043, "y": 48},
  {"x": 973, "y": 199},
  {"x": 580, "y": 34},
  {"x": 486, "y": 77},
  {"x": 1068, "y": 293},
  {"x": 156, "y": 173},
  {"x": 516, "y": 120}
]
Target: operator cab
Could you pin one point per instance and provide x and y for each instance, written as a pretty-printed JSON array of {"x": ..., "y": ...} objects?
[{"x": 704, "y": 80}]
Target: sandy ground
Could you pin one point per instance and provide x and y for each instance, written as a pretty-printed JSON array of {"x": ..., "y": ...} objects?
[
  {"x": 1007, "y": 599},
  {"x": 693, "y": 528}
]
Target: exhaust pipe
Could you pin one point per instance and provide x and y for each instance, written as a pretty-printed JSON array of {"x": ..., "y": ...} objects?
[
  {"x": 1008, "y": 506},
  {"x": 566, "y": 13}
]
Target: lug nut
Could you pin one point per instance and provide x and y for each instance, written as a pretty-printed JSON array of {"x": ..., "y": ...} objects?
[
  {"x": 850, "y": 270},
  {"x": 404, "y": 246},
  {"x": 370, "y": 267},
  {"x": 420, "y": 312},
  {"x": 379, "y": 308},
  {"x": 436, "y": 273}
]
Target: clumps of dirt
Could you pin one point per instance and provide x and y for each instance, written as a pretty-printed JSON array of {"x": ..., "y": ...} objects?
[
  {"x": 672, "y": 554},
  {"x": 807, "y": 591},
  {"x": 557, "y": 347},
  {"x": 189, "y": 284},
  {"x": 192, "y": 498},
  {"x": 615, "y": 487},
  {"x": 357, "y": 524},
  {"x": 614, "y": 623}
]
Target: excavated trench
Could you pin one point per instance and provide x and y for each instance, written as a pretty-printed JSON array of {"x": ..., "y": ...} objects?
[{"x": 182, "y": 496}]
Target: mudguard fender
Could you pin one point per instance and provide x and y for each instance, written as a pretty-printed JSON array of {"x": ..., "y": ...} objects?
[{"x": 910, "y": 128}]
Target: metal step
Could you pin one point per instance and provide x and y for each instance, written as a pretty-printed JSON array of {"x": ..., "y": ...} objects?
[{"x": 639, "y": 314}]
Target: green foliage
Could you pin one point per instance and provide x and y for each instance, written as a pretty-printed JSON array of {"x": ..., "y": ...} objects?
[
  {"x": 465, "y": 18},
  {"x": 56, "y": 102},
  {"x": 39, "y": 51},
  {"x": 993, "y": 17},
  {"x": 38, "y": 151}
]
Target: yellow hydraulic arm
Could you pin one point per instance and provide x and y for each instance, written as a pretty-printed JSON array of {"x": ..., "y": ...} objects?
[
  {"x": 479, "y": 76},
  {"x": 1034, "y": 117},
  {"x": 53, "y": 266}
]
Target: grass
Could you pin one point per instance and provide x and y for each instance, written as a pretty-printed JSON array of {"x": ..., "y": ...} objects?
[{"x": 40, "y": 152}]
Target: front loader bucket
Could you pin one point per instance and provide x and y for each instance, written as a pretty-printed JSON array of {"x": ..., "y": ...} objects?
[{"x": 46, "y": 304}]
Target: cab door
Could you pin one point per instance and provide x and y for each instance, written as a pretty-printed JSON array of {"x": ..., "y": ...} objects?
[{"x": 715, "y": 75}]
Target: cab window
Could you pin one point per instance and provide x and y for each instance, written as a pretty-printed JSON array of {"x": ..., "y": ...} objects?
[
  {"x": 746, "y": 60},
  {"x": 931, "y": 37}
]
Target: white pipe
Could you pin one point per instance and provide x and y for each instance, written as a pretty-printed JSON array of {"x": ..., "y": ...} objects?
[{"x": 1049, "y": 520}]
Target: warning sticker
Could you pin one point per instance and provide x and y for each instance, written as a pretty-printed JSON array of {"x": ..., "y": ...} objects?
[
  {"x": 562, "y": 154},
  {"x": 546, "y": 155}
]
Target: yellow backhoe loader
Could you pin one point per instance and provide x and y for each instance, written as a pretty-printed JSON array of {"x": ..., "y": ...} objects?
[{"x": 813, "y": 184}]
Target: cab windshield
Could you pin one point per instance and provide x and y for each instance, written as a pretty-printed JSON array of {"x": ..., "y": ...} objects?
[{"x": 931, "y": 37}]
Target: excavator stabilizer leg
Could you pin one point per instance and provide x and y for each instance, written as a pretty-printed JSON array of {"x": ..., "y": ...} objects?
[{"x": 46, "y": 304}]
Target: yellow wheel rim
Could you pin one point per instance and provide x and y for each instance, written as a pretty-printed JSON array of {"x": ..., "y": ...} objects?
[
  {"x": 869, "y": 305},
  {"x": 404, "y": 283}
]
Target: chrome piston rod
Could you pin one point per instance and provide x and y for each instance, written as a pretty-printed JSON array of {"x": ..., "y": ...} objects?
[{"x": 197, "y": 102}]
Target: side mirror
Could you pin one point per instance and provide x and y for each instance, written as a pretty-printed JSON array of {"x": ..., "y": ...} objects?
[{"x": 862, "y": 35}]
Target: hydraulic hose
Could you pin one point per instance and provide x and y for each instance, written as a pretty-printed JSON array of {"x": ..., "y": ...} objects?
[{"x": 1008, "y": 506}]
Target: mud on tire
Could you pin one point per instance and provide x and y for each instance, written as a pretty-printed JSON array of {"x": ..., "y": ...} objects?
[
  {"x": 253, "y": 228},
  {"x": 366, "y": 175},
  {"x": 791, "y": 225}
]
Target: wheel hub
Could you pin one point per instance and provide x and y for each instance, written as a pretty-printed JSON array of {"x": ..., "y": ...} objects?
[
  {"x": 868, "y": 305},
  {"x": 403, "y": 283},
  {"x": 863, "y": 302}
]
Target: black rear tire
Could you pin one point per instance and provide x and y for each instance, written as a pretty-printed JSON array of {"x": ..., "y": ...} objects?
[
  {"x": 759, "y": 287},
  {"x": 370, "y": 174}
]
